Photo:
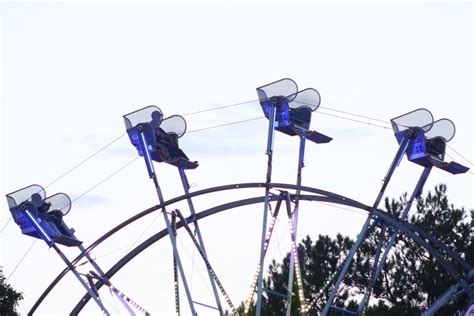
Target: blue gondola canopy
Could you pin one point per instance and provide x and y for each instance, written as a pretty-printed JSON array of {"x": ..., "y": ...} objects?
[
  {"x": 148, "y": 127},
  {"x": 427, "y": 139},
  {"x": 42, "y": 217}
]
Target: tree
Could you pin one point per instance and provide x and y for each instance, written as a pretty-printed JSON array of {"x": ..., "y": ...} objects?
[
  {"x": 410, "y": 281},
  {"x": 8, "y": 297},
  {"x": 414, "y": 279}
]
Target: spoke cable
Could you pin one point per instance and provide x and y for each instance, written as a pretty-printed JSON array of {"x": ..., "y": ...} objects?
[
  {"x": 224, "y": 125},
  {"x": 467, "y": 160},
  {"x": 219, "y": 108},
  {"x": 21, "y": 260},
  {"x": 105, "y": 179},
  {"x": 84, "y": 161},
  {"x": 143, "y": 233},
  {"x": 6, "y": 224},
  {"x": 354, "y": 120},
  {"x": 353, "y": 114},
  {"x": 194, "y": 264}
]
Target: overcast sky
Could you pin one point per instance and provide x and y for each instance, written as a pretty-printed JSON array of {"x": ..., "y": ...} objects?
[{"x": 71, "y": 70}]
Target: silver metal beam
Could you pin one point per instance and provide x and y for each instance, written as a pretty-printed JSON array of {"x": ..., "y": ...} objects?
[
  {"x": 152, "y": 174},
  {"x": 295, "y": 227},
  {"x": 271, "y": 134},
  {"x": 377, "y": 267},
  {"x": 184, "y": 181},
  {"x": 362, "y": 235}
]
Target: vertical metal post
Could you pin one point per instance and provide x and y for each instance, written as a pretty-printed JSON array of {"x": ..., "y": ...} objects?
[
  {"x": 87, "y": 255},
  {"x": 102, "y": 274},
  {"x": 97, "y": 268},
  {"x": 271, "y": 134},
  {"x": 206, "y": 262},
  {"x": 365, "y": 299},
  {"x": 89, "y": 290},
  {"x": 377, "y": 267},
  {"x": 175, "y": 249},
  {"x": 152, "y": 174},
  {"x": 295, "y": 222},
  {"x": 197, "y": 231},
  {"x": 268, "y": 236},
  {"x": 362, "y": 235},
  {"x": 124, "y": 299},
  {"x": 175, "y": 270},
  {"x": 51, "y": 243}
]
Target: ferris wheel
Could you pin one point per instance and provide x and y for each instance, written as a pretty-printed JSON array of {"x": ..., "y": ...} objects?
[{"x": 289, "y": 110}]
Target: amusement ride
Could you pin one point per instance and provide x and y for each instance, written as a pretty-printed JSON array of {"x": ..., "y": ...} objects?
[{"x": 420, "y": 138}]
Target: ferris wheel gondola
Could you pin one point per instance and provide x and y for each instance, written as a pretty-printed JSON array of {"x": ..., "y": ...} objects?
[
  {"x": 160, "y": 134},
  {"x": 42, "y": 217},
  {"x": 293, "y": 108},
  {"x": 428, "y": 138}
]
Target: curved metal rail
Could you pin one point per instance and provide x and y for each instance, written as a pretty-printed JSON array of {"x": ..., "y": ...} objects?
[
  {"x": 253, "y": 185},
  {"x": 415, "y": 233}
]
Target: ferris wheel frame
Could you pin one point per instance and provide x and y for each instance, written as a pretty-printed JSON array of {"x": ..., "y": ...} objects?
[{"x": 418, "y": 235}]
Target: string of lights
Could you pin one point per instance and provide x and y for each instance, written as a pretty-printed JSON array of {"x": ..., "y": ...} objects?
[
  {"x": 207, "y": 263},
  {"x": 255, "y": 277},
  {"x": 299, "y": 279}
]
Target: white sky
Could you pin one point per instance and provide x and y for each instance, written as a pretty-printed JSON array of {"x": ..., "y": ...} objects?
[{"x": 70, "y": 71}]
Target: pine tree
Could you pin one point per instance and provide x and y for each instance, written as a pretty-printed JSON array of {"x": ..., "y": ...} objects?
[{"x": 411, "y": 279}]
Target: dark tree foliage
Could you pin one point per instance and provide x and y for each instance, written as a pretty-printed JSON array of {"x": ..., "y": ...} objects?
[
  {"x": 8, "y": 298},
  {"x": 414, "y": 279},
  {"x": 410, "y": 281}
]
